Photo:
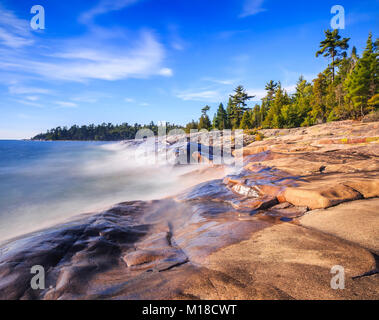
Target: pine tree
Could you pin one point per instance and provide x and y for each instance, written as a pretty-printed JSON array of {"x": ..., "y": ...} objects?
[
  {"x": 256, "y": 118},
  {"x": 220, "y": 119},
  {"x": 193, "y": 125},
  {"x": 229, "y": 111},
  {"x": 318, "y": 113},
  {"x": 363, "y": 82},
  {"x": 271, "y": 88},
  {"x": 246, "y": 122},
  {"x": 274, "y": 117},
  {"x": 238, "y": 106},
  {"x": 204, "y": 122},
  {"x": 333, "y": 47}
]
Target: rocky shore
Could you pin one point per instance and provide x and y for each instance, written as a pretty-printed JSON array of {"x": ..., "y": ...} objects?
[{"x": 306, "y": 200}]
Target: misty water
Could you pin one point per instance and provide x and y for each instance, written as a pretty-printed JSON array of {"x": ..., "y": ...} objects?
[{"x": 43, "y": 183}]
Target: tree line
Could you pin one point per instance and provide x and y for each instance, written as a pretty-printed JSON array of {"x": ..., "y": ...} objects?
[
  {"x": 347, "y": 89},
  {"x": 103, "y": 132}
]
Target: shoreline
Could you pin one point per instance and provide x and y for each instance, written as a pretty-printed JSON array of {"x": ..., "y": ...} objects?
[{"x": 277, "y": 228}]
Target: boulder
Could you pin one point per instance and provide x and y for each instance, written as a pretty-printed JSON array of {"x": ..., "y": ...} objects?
[
  {"x": 322, "y": 196},
  {"x": 368, "y": 188}
]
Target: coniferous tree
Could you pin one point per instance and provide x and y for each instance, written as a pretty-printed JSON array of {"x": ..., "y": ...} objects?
[
  {"x": 204, "y": 122},
  {"x": 229, "y": 111},
  {"x": 318, "y": 113},
  {"x": 334, "y": 47},
  {"x": 274, "y": 118},
  {"x": 220, "y": 119},
  {"x": 246, "y": 121},
  {"x": 238, "y": 106},
  {"x": 256, "y": 116},
  {"x": 363, "y": 82}
]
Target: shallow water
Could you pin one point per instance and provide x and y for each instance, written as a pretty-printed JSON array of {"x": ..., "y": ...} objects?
[{"x": 43, "y": 183}]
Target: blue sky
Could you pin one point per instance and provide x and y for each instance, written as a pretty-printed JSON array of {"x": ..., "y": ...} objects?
[{"x": 141, "y": 60}]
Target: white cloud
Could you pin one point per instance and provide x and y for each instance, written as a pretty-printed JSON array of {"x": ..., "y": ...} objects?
[
  {"x": 252, "y": 7},
  {"x": 258, "y": 93},
  {"x": 92, "y": 60},
  {"x": 13, "y": 40},
  {"x": 176, "y": 41},
  {"x": 102, "y": 54},
  {"x": 85, "y": 99},
  {"x": 103, "y": 7},
  {"x": 66, "y": 104},
  {"x": 206, "y": 95},
  {"x": 32, "y": 98},
  {"x": 129, "y": 100},
  {"x": 221, "y": 81},
  {"x": 15, "y": 89},
  {"x": 167, "y": 72},
  {"x": 29, "y": 103},
  {"x": 14, "y": 32},
  {"x": 290, "y": 88}
]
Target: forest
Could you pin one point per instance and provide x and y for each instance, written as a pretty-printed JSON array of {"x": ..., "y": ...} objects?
[
  {"x": 347, "y": 89},
  {"x": 102, "y": 132}
]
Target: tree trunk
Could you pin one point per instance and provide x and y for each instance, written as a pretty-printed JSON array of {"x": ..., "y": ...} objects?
[{"x": 333, "y": 67}]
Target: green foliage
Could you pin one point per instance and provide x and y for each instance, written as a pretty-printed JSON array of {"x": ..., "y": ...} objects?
[
  {"x": 334, "y": 47},
  {"x": 220, "y": 120},
  {"x": 274, "y": 118},
  {"x": 103, "y": 132},
  {"x": 204, "y": 122},
  {"x": 247, "y": 120},
  {"x": 193, "y": 125},
  {"x": 238, "y": 106},
  {"x": 362, "y": 84}
]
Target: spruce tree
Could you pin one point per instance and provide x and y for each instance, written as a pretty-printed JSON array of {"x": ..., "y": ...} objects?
[
  {"x": 220, "y": 120},
  {"x": 246, "y": 121},
  {"x": 363, "y": 82},
  {"x": 229, "y": 112}
]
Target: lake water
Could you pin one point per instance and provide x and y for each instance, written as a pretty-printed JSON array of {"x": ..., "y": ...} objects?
[{"x": 43, "y": 183}]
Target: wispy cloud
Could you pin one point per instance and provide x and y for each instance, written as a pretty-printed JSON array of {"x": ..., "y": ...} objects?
[
  {"x": 85, "y": 99},
  {"x": 103, "y": 7},
  {"x": 221, "y": 81},
  {"x": 202, "y": 95},
  {"x": 87, "y": 61},
  {"x": 29, "y": 103},
  {"x": 176, "y": 41},
  {"x": 14, "y": 32},
  {"x": 252, "y": 7},
  {"x": 101, "y": 54},
  {"x": 16, "y": 89},
  {"x": 209, "y": 89},
  {"x": 66, "y": 104},
  {"x": 225, "y": 35},
  {"x": 32, "y": 98}
]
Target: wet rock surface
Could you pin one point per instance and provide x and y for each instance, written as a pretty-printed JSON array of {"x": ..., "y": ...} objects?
[{"x": 305, "y": 200}]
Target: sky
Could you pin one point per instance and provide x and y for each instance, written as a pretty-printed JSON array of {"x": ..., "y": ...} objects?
[{"x": 156, "y": 60}]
